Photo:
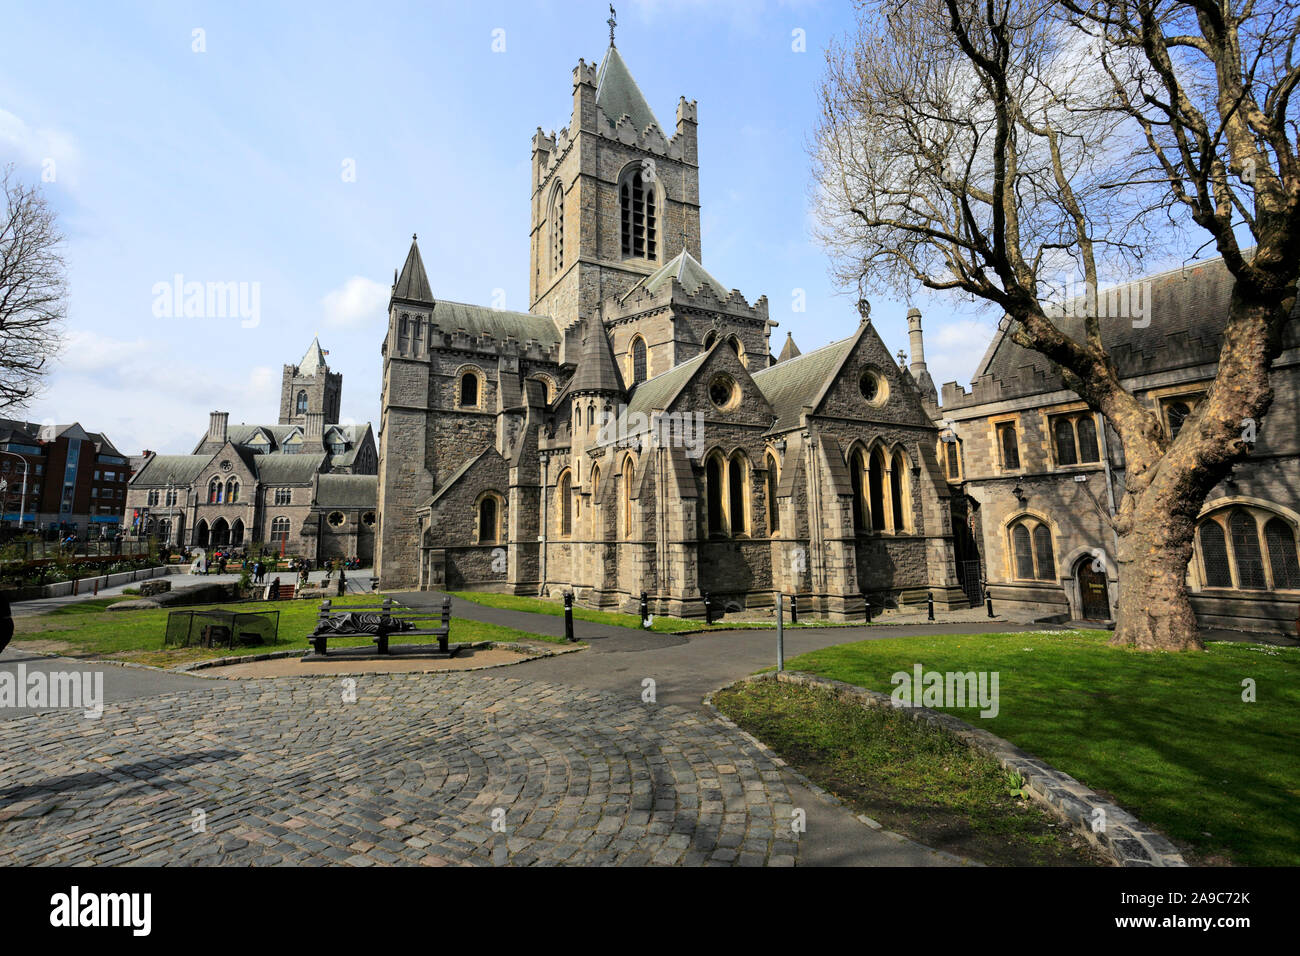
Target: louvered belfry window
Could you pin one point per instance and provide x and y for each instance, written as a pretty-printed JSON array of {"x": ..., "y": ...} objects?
[{"x": 640, "y": 219}]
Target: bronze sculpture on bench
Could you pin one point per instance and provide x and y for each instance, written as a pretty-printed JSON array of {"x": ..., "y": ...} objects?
[{"x": 391, "y": 619}]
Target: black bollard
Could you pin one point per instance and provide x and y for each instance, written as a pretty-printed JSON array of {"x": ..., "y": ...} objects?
[
  {"x": 568, "y": 616},
  {"x": 708, "y": 609},
  {"x": 988, "y": 601},
  {"x": 645, "y": 610},
  {"x": 867, "y": 602},
  {"x": 929, "y": 605},
  {"x": 794, "y": 608}
]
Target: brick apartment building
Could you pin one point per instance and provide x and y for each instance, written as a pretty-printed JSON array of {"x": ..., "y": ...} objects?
[{"x": 75, "y": 479}]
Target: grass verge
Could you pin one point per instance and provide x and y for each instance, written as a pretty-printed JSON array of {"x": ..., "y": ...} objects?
[
  {"x": 1168, "y": 736},
  {"x": 916, "y": 780}
]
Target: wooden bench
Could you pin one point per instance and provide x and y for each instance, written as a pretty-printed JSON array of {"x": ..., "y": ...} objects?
[{"x": 391, "y": 618}]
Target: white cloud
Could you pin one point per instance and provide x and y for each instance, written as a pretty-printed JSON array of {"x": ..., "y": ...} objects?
[
  {"x": 145, "y": 396},
  {"x": 47, "y": 149},
  {"x": 359, "y": 300}
]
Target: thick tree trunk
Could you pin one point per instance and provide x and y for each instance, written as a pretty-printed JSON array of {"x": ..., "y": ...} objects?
[{"x": 1155, "y": 610}]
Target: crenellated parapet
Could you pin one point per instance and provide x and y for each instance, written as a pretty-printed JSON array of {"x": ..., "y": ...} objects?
[{"x": 675, "y": 295}]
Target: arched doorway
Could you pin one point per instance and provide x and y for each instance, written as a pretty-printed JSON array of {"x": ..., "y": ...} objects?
[
  {"x": 237, "y": 532},
  {"x": 1094, "y": 591},
  {"x": 201, "y": 534},
  {"x": 220, "y": 532}
]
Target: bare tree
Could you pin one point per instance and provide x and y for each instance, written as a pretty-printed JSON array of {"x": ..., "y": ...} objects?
[
  {"x": 33, "y": 291},
  {"x": 1005, "y": 150}
]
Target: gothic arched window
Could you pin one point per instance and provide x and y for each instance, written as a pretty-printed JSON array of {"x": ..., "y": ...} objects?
[
  {"x": 773, "y": 510},
  {"x": 557, "y": 230},
  {"x": 876, "y": 486},
  {"x": 489, "y": 512},
  {"x": 629, "y": 471},
  {"x": 232, "y": 490},
  {"x": 215, "y": 490},
  {"x": 564, "y": 501},
  {"x": 301, "y": 407},
  {"x": 713, "y": 478},
  {"x": 898, "y": 490},
  {"x": 638, "y": 360},
  {"x": 1032, "y": 553},
  {"x": 1249, "y": 549},
  {"x": 736, "y": 493},
  {"x": 469, "y": 390},
  {"x": 639, "y": 217},
  {"x": 857, "y": 478}
]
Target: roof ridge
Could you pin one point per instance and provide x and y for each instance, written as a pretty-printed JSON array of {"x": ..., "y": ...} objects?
[{"x": 802, "y": 355}]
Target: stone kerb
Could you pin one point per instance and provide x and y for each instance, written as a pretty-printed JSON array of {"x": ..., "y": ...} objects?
[{"x": 1124, "y": 838}]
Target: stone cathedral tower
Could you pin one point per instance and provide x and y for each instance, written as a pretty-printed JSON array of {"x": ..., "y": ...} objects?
[{"x": 613, "y": 197}]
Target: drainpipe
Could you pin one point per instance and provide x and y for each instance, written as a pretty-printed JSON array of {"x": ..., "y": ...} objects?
[
  {"x": 1110, "y": 488},
  {"x": 546, "y": 471}
]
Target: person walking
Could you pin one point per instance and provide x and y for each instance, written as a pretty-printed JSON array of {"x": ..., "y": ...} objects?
[{"x": 275, "y": 589}]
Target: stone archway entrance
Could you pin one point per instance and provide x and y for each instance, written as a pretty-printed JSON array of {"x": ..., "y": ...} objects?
[{"x": 1094, "y": 592}]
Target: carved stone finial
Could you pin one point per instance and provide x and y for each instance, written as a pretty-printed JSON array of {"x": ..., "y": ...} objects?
[
  {"x": 902, "y": 358},
  {"x": 864, "y": 310}
]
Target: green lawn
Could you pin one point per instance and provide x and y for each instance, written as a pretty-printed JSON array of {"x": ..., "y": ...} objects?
[
  {"x": 87, "y": 629},
  {"x": 663, "y": 625},
  {"x": 915, "y": 779},
  {"x": 1168, "y": 735}
]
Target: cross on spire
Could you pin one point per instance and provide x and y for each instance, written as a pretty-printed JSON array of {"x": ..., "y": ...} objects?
[{"x": 613, "y": 22}]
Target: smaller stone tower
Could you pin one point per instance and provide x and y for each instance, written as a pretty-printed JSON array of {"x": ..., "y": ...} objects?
[{"x": 310, "y": 388}]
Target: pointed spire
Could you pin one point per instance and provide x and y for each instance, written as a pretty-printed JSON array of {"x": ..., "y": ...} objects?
[
  {"x": 597, "y": 371},
  {"x": 617, "y": 93},
  {"x": 314, "y": 360},
  {"x": 790, "y": 350},
  {"x": 413, "y": 283}
]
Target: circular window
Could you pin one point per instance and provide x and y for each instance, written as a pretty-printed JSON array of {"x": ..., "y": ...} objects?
[
  {"x": 336, "y": 519},
  {"x": 873, "y": 387},
  {"x": 724, "y": 392},
  {"x": 368, "y": 519}
]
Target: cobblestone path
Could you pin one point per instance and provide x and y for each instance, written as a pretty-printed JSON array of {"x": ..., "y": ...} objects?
[{"x": 416, "y": 770}]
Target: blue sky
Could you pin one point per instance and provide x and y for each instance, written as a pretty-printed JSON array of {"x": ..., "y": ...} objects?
[{"x": 226, "y": 165}]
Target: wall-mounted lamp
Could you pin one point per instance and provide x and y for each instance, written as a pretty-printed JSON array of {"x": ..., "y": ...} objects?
[{"x": 1019, "y": 492}]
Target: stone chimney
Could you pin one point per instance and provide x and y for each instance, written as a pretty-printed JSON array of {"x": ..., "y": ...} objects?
[
  {"x": 217, "y": 427},
  {"x": 315, "y": 426},
  {"x": 916, "y": 342},
  {"x": 919, "y": 372}
]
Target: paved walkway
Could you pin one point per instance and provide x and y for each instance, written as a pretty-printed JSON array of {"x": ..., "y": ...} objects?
[{"x": 563, "y": 755}]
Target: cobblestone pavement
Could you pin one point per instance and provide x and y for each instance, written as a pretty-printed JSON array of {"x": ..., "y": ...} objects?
[{"x": 416, "y": 770}]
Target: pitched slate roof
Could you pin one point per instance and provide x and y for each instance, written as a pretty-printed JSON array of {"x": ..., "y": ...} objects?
[
  {"x": 790, "y": 385},
  {"x": 1187, "y": 309},
  {"x": 413, "y": 283},
  {"x": 287, "y": 469},
  {"x": 597, "y": 371},
  {"x": 686, "y": 269},
  {"x": 499, "y": 323},
  {"x": 617, "y": 93},
  {"x": 658, "y": 392},
  {"x": 347, "y": 491},
  {"x": 182, "y": 468}
]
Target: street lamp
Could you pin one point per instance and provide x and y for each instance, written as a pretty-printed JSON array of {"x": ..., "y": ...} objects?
[{"x": 22, "y": 503}]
